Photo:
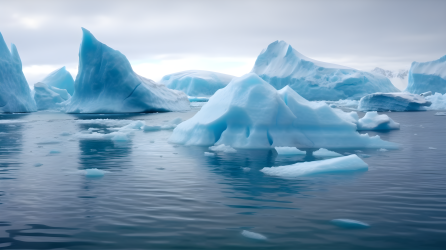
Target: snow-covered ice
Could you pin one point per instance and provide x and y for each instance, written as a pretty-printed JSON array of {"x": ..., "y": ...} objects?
[
  {"x": 428, "y": 76},
  {"x": 106, "y": 83},
  {"x": 60, "y": 79},
  {"x": 223, "y": 148},
  {"x": 250, "y": 113},
  {"x": 401, "y": 101},
  {"x": 281, "y": 65},
  {"x": 373, "y": 121},
  {"x": 15, "y": 94},
  {"x": 349, "y": 223},
  {"x": 48, "y": 97},
  {"x": 196, "y": 82},
  {"x": 333, "y": 165},
  {"x": 253, "y": 235},
  {"x": 397, "y": 78}
]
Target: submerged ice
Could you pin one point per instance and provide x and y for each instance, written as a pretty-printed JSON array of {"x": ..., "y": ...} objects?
[
  {"x": 281, "y": 65},
  {"x": 428, "y": 76},
  {"x": 15, "y": 94},
  {"x": 106, "y": 83},
  {"x": 250, "y": 113}
]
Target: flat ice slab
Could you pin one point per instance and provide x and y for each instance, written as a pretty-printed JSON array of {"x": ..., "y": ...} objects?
[
  {"x": 373, "y": 121},
  {"x": 106, "y": 83},
  {"x": 393, "y": 102},
  {"x": 334, "y": 165}
]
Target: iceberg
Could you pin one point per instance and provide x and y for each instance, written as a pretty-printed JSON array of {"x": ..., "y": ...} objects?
[
  {"x": 60, "y": 79},
  {"x": 48, "y": 97},
  {"x": 281, "y": 65},
  {"x": 15, "y": 94},
  {"x": 196, "y": 82},
  {"x": 427, "y": 76},
  {"x": 106, "y": 83},
  {"x": 397, "y": 78},
  {"x": 401, "y": 101},
  {"x": 333, "y": 165},
  {"x": 250, "y": 113},
  {"x": 373, "y": 121}
]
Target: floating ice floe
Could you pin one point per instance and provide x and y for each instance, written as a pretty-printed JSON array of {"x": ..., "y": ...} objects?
[
  {"x": 348, "y": 223},
  {"x": 120, "y": 134},
  {"x": 209, "y": 154},
  {"x": 427, "y": 76},
  {"x": 48, "y": 97},
  {"x": 440, "y": 113},
  {"x": 334, "y": 165},
  {"x": 384, "y": 150},
  {"x": 252, "y": 235},
  {"x": 250, "y": 113},
  {"x": 373, "y": 121},
  {"x": 432, "y": 148},
  {"x": 15, "y": 94},
  {"x": 171, "y": 125},
  {"x": 106, "y": 83},
  {"x": 196, "y": 82},
  {"x": 393, "y": 101},
  {"x": 53, "y": 152},
  {"x": 93, "y": 172},
  {"x": 281, "y": 65},
  {"x": 223, "y": 148}
]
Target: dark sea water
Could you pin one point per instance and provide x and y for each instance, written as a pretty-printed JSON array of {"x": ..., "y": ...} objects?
[{"x": 157, "y": 195}]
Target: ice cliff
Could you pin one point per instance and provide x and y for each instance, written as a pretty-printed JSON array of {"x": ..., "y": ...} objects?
[
  {"x": 281, "y": 65},
  {"x": 106, "y": 83},
  {"x": 15, "y": 94},
  {"x": 427, "y": 76},
  {"x": 196, "y": 82},
  {"x": 250, "y": 113}
]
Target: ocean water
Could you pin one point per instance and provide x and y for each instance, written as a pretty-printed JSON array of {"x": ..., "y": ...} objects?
[{"x": 157, "y": 195}]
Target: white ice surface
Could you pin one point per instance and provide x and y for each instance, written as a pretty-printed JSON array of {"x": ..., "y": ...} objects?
[
  {"x": 373, "y": 121},
  {"x": 252, "y": 235}
]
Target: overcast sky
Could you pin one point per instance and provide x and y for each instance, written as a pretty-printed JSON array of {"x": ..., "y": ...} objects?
[{"x": 162, "y": 37}]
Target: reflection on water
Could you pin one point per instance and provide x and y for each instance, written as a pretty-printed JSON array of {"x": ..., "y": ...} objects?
[{"x": 156, "y": 195}]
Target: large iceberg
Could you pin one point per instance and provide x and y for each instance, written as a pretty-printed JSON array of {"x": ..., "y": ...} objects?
[
  {"x": 197, "y": 82},
  {"x": 106, "y": 83},
  {"x": 15, "y": 94},
  {"x": 281, "y": 65},
  {"x": 60, "y": 79},
  {"x": 250, "y": 113},
  {"x": 427, "y": 76},
  {"x": 401, "y": 101},
  {"x": 48, "y": 97}
]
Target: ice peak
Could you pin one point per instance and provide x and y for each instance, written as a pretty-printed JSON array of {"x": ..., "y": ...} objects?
[
  {"x": 4, "y": 51},
  {"x": 15, "y": 55},
  {"x": 89, "y": 43}
]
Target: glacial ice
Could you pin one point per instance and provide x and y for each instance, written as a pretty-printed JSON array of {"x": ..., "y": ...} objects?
[
  {"x": 281, "y": 65},
  {"x": 223, "y": 148},
  {"x": 373, "y": 121},
  {"x": 60, "y": 79},
  {"x": 196, "y": 82},
  {"x": 106, "y": 83},
  {"x": 401, "y": 101},
  {"x": 349, "y": 223},
  {"x": 253, "y": 235},
  {"x": 15, "y": 94},
  {"x": 438, "y": 101},
  {"x": 49, "y": 98},
  {"x": 428, "y": 76},
  {"x": 250, "y": 113},
  {"x": 333, "y": 165}
]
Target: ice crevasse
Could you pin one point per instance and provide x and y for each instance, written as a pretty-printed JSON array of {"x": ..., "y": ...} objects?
[
  {"x": 106, "y": 83},
  {"x": 281, "y": 65},
  {"x": 15, "y": 94},
  {"x": 250, "y": 113}
]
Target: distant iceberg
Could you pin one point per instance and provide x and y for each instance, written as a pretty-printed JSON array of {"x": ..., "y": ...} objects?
[
  {"x": 250, "y": 113},
  {"x": 196, "y": 82},
  {"x": 281, "y": 65},
  {"x": 398, "y": 78},
  {"x": 60, "y": 79},
  {"x": 373, "y": 121},
  {"x": 49, "y": 98},
  {"x": 15, "y": 94},
  {"x": 427, "y": 76},
  {"x": 106, "y": 83},
  {"x": 401, "y": 101}
]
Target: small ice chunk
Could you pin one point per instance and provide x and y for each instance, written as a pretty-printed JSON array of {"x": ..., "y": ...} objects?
[
  {"x": 252, "y": 235},
  {"x": 382, "y": 150},
  {"x": 246, "y": 169},
  {"x": 373, "y": 121},
  {"x": 289, "y": 151},
  {"x": 440, "y": 113},
  {"x": 326, "y": 153},
  {"x": 223, "y": 148},
  {"x": 93, "y": 129},
  {"x": 94, "y": 172},
  {"x": 54, "y": 152},
  {"x": 338, "y": 164},
  {"x": 38, "y": 164},
  {"x": 348, "y": 223},
  {"x": 208, "y": 154},
  {"x": 65, "y": 134},
  {"x": 432, "y": 148}
]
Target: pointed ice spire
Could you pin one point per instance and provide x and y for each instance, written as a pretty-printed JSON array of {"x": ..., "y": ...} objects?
[
  {"x": 15, "y": 56},
  {"x": 4, "y": 51},
  {"x": 89, "y": 44}
]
